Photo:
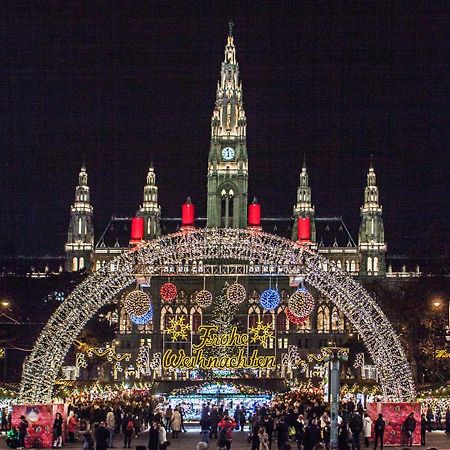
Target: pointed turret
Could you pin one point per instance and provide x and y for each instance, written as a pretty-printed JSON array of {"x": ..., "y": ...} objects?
[
  {"x": 80, "y": 236},
  {"x": 228, "y": 160},
  {"x": 150, "y": 210},
  {"x": 304, "y": 208},
  {"x": 371, "y": 231}
]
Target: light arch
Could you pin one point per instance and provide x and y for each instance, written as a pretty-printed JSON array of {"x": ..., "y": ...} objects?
[{"x": 278, "y": 254}]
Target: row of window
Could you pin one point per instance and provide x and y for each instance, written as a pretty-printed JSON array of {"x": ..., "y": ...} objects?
[{"x": 77, "y": 263}]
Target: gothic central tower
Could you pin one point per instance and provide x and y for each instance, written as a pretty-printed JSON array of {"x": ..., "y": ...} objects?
[{"x": 228, "y": 160}]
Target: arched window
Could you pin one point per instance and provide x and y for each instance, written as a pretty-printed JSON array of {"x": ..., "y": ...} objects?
[
  {"x": 74, "y": 264},
  {"x": 337, "y": 320},
  {"x": 196, "y": 319},
  {"x": 347, "y": 265},
  {"x": 375, "y": 264},
  {"x": 98, "y": 264},
  {"x": 304, "y": 326},
  {"x": 125, "y": 324},
  {"x": 323, "y": 318},
  {"x": 80, "y": 225},
  {"x": 281, "y": 321},
  {"x": 81, "y": 263},
  {"x": 267, "y": 318},
  {"x": 369, "y": 264},
  {"x": 166, "y": 313},
  {"x": 253, "y": 314},
  {"x": 149, "y": 226},
  {"x": 353, "y": 265},
  {"x": 227, "y": 206}
]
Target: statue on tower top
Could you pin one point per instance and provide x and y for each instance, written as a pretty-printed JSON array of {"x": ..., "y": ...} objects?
[{"x": 230, "y": 26}]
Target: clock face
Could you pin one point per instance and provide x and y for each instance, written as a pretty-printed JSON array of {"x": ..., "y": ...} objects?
[{"x": 228, "y": 153}]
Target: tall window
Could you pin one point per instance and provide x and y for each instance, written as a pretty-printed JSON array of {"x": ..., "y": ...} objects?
[
  {"x": 375, "y": 264},
  {"x": 125, "y": 324},
  {"x": 74, "y": 264},
  {"x": 253, "y": 314},
  {"x": 80, "y": 225},
  {"x": 196, "y": 319},
  {"x": 337, "y": 320},
  {"x": 369, "y": 264},
  {"x": 227, "y": 207},
  {"x": 281, "y": 321},
  {"x": 166, "y": 312},
  {"x": 304, "y": 326},
  {"x": 323, "y": 318},
  {"x": 81, "y": 263}
]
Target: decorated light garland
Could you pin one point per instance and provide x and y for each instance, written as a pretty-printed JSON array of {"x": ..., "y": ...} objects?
[
  {"x": 301, "y": 303},
  {"x": 204, "y": 298},
  {"x": 137, "y": 303},
  {"x": 168, "y": 292},
  {"x": 269, "y": 299},
  {"x": 236, "y": 293},
  {"x": 169, "y": 253}
]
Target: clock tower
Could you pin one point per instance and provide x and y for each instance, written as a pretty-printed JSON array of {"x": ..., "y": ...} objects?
[{"x": 228, "y": 160}]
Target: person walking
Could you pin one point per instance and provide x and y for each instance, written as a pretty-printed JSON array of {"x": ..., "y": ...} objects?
[
  {"x": 127, "y": 430},
  {"x": 153, "y": 436},
  {"x": 88, "y": 441},
  {"x": 367, "y": 429},
  {"x": 408, "y": 427},
  {"x": 225, "y": 438},
  {"x": 162, "y": 438},
  {"x": 379, "y": 427},
  {"x": 72, "y": 426},
  {"x": 57, "y": 431},
  {"x": 111, "y": 427},
  {"x": 23, "y": 430},
  {"x": 101, "y": 437},
  {"x": 215, "y": 419},
  {"x": 282, "y": 433},
  {"x": 356, "y": 427},
  {"x": 263, "y": 439}
]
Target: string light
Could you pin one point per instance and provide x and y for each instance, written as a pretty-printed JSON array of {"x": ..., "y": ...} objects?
[
  {"x": 262, "y": 249},
  {"x": 137, "y": 303},
  {"x": 236, "y": 293},
  {"x": 293, "y": 318},
  {"x": 168, "y": 292},
  {"x": 145, "y": 318},
  {"x": 204, "y": 298},
  {"x": 269, "y": 299},
  {"x": 301, "y": 303}
]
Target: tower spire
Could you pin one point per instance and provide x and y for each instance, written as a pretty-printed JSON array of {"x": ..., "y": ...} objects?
[
  {"x": 304, "y": 208},
  {"x": 80, "y": 236},
  {"x": 150, "y": 210},
  {"x": 371, "y": 231},
  {"x": 230, "y": 28}
]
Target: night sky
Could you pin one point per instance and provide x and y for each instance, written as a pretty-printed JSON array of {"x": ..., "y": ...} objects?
[{"x": 118, "y": 84}]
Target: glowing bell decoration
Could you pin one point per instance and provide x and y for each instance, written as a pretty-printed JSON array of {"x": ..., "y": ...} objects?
[
  {"x": 269, "y": 299},
  {"x": 168, "y": 292},
  {"x": 204, "y": 298},
  {"x": 236, "y": 293},
  {"x": 137, "y": 303},
  {"x": 301, "y": 303},
  {"x": 145, "y": 318},
  {"x": 293, "y": 318}
]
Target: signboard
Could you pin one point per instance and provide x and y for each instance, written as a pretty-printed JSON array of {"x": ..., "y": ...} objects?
[{"x": 204, "y": 355}]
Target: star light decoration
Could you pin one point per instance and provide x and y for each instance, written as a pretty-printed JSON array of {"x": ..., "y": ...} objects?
[
  {"x": 301, "y": 303},
  {"x": 180, "y": 251},
  {"x": 178, "y": 328},
  {"x": 269, "y": 299},
  {"x": 236, "y": 293},
  {"x": 261, "y": 333},
  {"x": 204, "y": 298},
  {"x": 137, "y": 303},
  {"x": 168, "y": 292}
]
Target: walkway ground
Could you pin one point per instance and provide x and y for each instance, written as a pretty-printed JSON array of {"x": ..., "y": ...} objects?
[{"x": 189, "y": 440}]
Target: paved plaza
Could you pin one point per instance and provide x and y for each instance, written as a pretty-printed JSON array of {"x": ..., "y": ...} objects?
[{"x": 189, "y": 440}]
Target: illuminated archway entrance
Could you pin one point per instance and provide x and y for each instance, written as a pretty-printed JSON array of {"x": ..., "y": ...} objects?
[{"x": 190, "y": 253}]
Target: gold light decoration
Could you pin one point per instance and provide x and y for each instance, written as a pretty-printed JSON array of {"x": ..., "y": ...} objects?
[
  {"x": 204, "y": 298},
  {"x": 178, "y": 328},
  {"x": 301, "y": 303},
  {"x": 236, "y": 293},
  {"x": 137, "y": 303},
  {"x": 261, "y": 333}
]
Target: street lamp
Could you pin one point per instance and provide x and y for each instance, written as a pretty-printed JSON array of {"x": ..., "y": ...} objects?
[{"x": 5, "y": 304}]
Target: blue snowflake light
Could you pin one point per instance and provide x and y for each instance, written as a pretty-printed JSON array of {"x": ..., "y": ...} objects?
[
  {"x": 142, "y": 320},
  {"x": 269, "y": 299}
]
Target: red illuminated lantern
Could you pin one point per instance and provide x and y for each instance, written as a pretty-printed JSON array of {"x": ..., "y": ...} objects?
[
  {"x": 304, "y": 229},
  {"x": 254, "y": 214},
  {"x": 187, "y": 214},
  {"x": 137, "y": 229},
  {"x": 168, "y": 292}
]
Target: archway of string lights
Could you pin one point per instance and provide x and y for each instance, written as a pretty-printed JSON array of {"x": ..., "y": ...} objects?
[{"x": 190, "y": 250}]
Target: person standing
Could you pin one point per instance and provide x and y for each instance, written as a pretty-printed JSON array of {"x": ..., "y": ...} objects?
[
  {"x": 367, "y": 429},
  {"x": 282, "y": 433},
  {"x": 408, "y": 427},
  {"x": 175, "y": 423},
  {"x": 153, "y": 436},
  {"x": 379, "y": 427},
  {"x": 72, "y": 425},
  {"x": 101, "y": 437},
  {"x": 162, "y": 438},
  {"x": 205, "y": 428},
  {"x": 356, "y": 427},
  {"x": 127, "y": 430},
  {"x": 263, "y": 439},
  {"x": 423, "y": 428},
  {"x": 215, "y": 419},
  {"x": 57, "y": 431},
  {"x": 226, "y": 433},
  {"x": 23, "y": 429},
  {"x": 111, "y": 427},
  {"x": 168, "y": 417}
]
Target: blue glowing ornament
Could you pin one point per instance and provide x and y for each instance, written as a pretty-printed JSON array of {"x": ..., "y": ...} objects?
[
  {"x": 142, "y": 320},
  {"x": 269, "y": 299}
]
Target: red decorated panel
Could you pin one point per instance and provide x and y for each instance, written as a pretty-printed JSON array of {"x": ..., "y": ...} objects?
[{"x": 394, "y": 414}]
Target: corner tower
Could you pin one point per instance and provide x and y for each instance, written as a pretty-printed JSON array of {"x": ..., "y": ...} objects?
[
  {"x": 372, "y": 247},
  {"x": 80, "y": 236},
  {"x": 304, "y": 208},
  {"x": 150, "y": 210},
  {"x": 228, "y": 160}
]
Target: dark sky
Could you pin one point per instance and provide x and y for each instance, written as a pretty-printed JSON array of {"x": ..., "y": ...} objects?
[{"x": 116, "y": 84}]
